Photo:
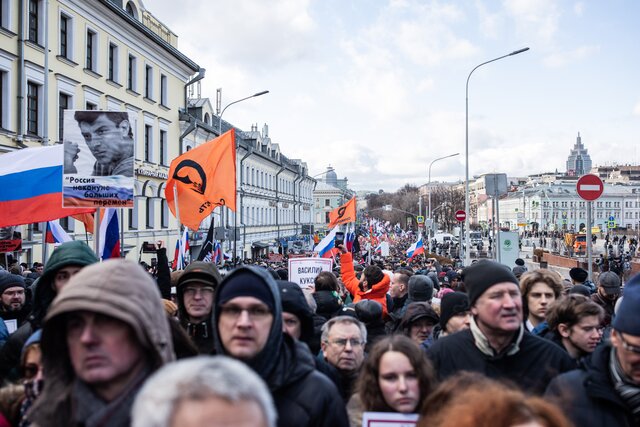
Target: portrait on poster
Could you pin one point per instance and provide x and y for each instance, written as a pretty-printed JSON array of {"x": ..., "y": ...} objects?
[{"x": 99, "y": 149}]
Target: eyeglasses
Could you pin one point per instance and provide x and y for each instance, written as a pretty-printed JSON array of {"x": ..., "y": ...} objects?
[
  {"x": 19, "y": 292},
  {"x": 629, "y": 347},
  {"x": 192, "y": 291},
  {"x": 255, "y": 312},
  {"x": 342, "y": 342}
]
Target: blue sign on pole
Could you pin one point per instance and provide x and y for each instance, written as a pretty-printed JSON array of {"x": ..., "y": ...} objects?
[{"x": 612, "y": 218}]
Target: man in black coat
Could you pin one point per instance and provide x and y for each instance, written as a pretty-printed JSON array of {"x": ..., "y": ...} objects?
[
  {"x": 497, "y": 344},
  {"x": 606, "y": 392},
  {"x": 247, "y": 321}
]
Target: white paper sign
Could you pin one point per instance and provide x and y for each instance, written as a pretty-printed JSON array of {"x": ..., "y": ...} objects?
[
  {"x": 389, "y": 419},
  {"x": 303, "y": 271},
  {"x": 12, "y": 325}
]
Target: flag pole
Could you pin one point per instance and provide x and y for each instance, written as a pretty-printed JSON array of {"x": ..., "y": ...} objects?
[
  {"x": 96, "y": 233},
  {"x": 122, "y": 255},
  {"x": 177, "y": 206},
  {"x": 45, "y": 252}
]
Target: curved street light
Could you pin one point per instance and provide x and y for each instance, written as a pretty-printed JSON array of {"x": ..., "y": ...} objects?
[
  {"x": 467, "y": 255},
  {"x": 235, "y": 102},
  {"x": 429, "y": 182}
]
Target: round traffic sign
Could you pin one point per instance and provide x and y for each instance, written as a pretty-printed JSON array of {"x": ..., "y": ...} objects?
[
  {"x": 590, "y": 187},
  {"x": 461, "y": 215}
]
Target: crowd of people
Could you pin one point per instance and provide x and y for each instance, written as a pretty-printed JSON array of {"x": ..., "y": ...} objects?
[{"x": 116, "y": 343}]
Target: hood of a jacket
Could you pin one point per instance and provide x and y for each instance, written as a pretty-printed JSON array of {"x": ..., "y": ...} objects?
[
  {"x": 415, "y": 311},
  {"x": 199, "y": 272},
  {"x": 117, "y": 288},
  {"x": 266, "y": 360},
  {"x": 69, "y": 253}
]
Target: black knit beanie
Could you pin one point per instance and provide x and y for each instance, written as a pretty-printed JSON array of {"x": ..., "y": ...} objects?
[
  {"x": 480, "y": 276},
  {"x": 451, "y": 304},
  {"x": 246, "y": 284}
]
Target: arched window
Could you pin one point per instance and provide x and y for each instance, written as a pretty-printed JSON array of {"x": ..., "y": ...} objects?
[
  {"x": 207, "y": 118},
  {"x": 132, "y": 9}
]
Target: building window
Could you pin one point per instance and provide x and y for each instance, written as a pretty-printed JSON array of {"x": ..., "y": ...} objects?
[
  {"x": 64, "y": 101},
  {"x": 113, "y": 62},
  {"x": 163, "y": 147},
  {"x": 148, "y": 82},
  {"x": 326, "y": 217},
  {"x": 3, "y": 92},
  {"x": 163, "y": 90},
  {"x": 147, "y": 142},
  {"x": 326, "y": 202},
  {"x": 164, "y": 214},
  {"x": 90, "y": 106},
  {"x": 131, "y": 76},
  {"x": 34, "y": 20},
  {"x": 32, "y": 108},
  {"x": 91, "y": 50},
  {"x": 133, "y": 215},
  {"x": 150, "y": 212},
  {"x": 64, "y": 36}
]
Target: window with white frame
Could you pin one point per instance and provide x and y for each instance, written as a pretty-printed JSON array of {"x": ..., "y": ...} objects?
[
  {"x": 34, "y": 22},
  {"x": 133, "y": 215},
  {"x": 148, "y": 82},
  {"x": 4, "y": 98},
  {"x": 131, "y": 73},
  {"x": 66, "y": 36},
  {"x": 148, "y": 142},
  {"x": 112, "y": 72},
  {"x": 33, "y": 108},
  {"x": 164, "y": 94},
  {"x": 164, "y": 148},
  {"x": 91, "y": 62},
  {"x": 164, "y": 213},
  {"x": 64, "y": 103},
  {"x": 151, "y": 211},
  {"x": 5, "y": 14}
]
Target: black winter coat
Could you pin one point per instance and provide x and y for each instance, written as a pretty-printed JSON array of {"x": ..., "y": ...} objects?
[
  {"x": 531, "y": 368},
  {"x": 587, "y": 395}
]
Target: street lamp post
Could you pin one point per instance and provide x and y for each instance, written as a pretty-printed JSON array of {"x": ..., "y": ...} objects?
[
  {"x": 429, "y": 182},
  {"x": 467, "y": 254},
  {"x": 235, "y": 217}
]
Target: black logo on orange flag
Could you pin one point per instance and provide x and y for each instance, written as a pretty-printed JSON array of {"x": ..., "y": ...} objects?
[
  {"x": 341, "y": 211},
  {"x": 190, "y": 165}
]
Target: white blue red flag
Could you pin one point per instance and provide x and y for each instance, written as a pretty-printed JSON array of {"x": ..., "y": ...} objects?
[
  {"x": 109, "y": 234},
  {"x": 182, "y": 252},
  {"x": 415, "y": 249},
  {"x": 31, "y": 183},
  {"x": 327, "y": 246},
  {"x": 55, "y": 233}
]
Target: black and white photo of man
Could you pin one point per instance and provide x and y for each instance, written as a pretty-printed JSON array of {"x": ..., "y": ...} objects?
[{"x": 109, "y": 136}]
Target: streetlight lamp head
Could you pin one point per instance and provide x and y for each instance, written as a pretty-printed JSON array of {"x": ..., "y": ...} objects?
[
  {"x": 515, "y": 52},
  {"x": 264, "y": 92}
]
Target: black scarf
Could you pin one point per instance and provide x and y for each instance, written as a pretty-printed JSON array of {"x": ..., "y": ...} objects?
[{"x": 628, "y": 391}]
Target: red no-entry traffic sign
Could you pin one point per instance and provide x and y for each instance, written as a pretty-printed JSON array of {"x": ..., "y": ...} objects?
[
  {"x": 590, "y": 187},
  {"x": 461, "y": 215}
]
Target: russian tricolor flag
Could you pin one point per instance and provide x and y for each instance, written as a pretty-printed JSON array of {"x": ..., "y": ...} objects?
[
  {"x": 326, "y": 248},
  {"x": 182, "y": 251},
  {"x": 55, "y": 233},
  {"x": 109, "y": 234},
  {"x": 31, "y": 183},
  {"x": 415, "y": 249}
]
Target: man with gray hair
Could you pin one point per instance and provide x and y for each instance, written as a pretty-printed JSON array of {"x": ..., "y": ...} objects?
[
  {"x": 343, "y": 340},
  {"x": 214, "y": 391}
]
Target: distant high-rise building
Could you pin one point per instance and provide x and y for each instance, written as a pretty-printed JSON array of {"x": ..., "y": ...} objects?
[{"x": 579, "y": 161}]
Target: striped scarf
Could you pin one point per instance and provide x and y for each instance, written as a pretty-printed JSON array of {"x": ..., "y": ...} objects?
[{"x": 628, "y": 391}]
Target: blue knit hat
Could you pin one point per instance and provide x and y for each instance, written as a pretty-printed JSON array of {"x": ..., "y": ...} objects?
[{"x": 627, "y": 319}]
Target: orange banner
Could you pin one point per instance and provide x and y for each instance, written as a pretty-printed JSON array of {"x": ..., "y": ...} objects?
[
  {"x": 205, "y": 177},
  {"x": 344, "y": 214}
]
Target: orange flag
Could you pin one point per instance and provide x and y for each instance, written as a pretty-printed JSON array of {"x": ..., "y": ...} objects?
[
  {"x": 344, "y": 214},
  {"x": 205, "y": 177}
]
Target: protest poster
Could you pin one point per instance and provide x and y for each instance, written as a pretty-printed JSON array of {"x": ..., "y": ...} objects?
[
  {"x": 303, "y": 271},
  {"x": 98, "y": 163},
  {"x": 389, "y": 419}
]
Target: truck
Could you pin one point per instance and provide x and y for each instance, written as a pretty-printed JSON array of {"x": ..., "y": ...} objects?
[
  {"x": 576, "y": 241},
  {"x": 475, "y": 238}
]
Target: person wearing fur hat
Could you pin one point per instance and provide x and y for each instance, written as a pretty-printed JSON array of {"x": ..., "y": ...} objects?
[
  {"x": 580, "y": 276},
  {"x": 194, "y": 295},
  {"x": 496, "y": 344},
  {"x": 247, "y": 319},
  {"x": 606, "y": 391},
  {"x": 104, "y": 335},
  {"x": 65, "y": 261}
]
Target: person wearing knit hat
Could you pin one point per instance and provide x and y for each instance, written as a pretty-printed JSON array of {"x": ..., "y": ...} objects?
[
  {"x": 607, "y": 294},
  {"x": 455, "y": 313},
  {"x": 194, "y": 297},
  {"x": 580, "y": 276},
  {"x": 496, "y": 343},
  {"x": 248, "y": 326},
  {"x": 13, "y": 305},
  {"x": 606, "y": 391}
]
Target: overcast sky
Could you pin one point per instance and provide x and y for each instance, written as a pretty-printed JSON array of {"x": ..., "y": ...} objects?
[{"x": 376, "y": 88}]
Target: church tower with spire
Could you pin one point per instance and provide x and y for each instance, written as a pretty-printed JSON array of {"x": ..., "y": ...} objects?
[{"x": 579, "y": 161}]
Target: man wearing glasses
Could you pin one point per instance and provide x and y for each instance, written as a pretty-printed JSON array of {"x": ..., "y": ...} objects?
[
  {"x": 248, "y": 327},
  {"x": 194, "y": 294},
  {"x": 13, "y": 307},
  {"x": 343, "y": 340},
  {"x": 607, "y": 390}
]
